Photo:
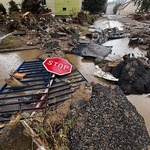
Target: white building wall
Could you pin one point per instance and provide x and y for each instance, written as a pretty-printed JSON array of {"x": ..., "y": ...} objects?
[
  {"x": 131, "y": 8},
  {"x": 51, "y": 5},
  {"x": 110, "y": 7},
  {"x": 80, "y": 6}
]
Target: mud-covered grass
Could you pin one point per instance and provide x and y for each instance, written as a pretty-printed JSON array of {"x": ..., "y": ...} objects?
[
  {"x": 11, "y": 42},
  {"x": 53, "y": 132}
]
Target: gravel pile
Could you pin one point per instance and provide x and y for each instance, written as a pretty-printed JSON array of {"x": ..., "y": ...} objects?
[{"x": 108, "y": 121}]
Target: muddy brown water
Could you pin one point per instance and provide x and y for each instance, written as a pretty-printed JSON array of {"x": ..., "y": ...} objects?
[{"x": 9, "y": 62}]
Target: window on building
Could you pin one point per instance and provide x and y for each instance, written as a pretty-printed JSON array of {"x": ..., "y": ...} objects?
[{"x": 64, "y": 9}]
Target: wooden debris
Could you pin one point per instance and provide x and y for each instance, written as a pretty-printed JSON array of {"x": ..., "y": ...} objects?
[
  {"x": 13, "y": 82},
  {"x": 18, "y": 75},
  {"x": 30, "y": 132}
]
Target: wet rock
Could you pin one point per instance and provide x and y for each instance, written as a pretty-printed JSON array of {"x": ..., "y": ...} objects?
[
  {"x": 134, "y": 76},
  {"x": 133, "y": 41},
  {"x": 108, "y": 121}
]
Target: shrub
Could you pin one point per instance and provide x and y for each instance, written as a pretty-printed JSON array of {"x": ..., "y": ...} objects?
[
  {"x": 2, "y": 9},
  {"x": 13, "y": 7}
]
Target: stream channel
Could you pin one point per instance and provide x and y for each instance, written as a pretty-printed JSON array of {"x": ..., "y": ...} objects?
[{"x": 12, "y": 60}]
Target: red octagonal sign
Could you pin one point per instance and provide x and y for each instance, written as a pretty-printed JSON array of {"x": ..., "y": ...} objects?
[{"x": 57, "y": 65}]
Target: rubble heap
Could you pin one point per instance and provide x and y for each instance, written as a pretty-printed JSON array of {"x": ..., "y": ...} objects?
[
  {"x": 133, "y": 75},
  {"x": 107, "y": 121}
]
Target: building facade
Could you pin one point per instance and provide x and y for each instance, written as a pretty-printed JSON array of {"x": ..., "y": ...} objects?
[
  {"x": 64, "y": 7},
  {"x": 59, "y": 7}
]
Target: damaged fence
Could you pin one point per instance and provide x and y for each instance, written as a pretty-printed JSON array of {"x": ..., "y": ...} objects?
[{"x": 25, "y": 98}]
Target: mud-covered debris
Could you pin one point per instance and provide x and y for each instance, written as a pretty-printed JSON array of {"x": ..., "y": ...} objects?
[
  {"x": 134, "y": 76},
  {"x": 13, "y": 82},
  {"x": 107, "y": 121},
  {"x": 14, "y": 138}
]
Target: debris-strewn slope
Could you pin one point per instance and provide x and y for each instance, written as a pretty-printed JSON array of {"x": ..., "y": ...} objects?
[{"x": 108, "y": 121}]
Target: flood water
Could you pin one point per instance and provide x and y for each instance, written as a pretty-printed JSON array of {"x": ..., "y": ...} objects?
[
  {"x": 120, "y": 48},
  {"x": 9, "y": 62}
]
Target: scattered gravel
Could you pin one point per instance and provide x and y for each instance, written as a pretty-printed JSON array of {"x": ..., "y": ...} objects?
[{"x": 108, "y": 121}]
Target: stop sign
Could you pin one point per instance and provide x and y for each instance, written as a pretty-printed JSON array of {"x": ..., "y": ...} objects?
[{"x": 57, "y": 65}]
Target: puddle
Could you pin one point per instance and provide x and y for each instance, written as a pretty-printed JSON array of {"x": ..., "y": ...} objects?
[
  {"x": 12, "y": 60},
  {"x": 120, "y": 48},
  {"x": 142, "y": 103},
  {"x": 87, "y": 68}
]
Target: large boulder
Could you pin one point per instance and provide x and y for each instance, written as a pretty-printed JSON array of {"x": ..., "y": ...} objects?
[{"x": 133, "y": 75}]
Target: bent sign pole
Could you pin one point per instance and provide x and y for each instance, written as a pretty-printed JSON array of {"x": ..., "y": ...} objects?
[{"x": 57, "y": 66}]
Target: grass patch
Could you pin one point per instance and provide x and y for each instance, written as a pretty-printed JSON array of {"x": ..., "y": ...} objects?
[
  {"x": 84, "y": 29},
  {"x": 11, "y": 42}
]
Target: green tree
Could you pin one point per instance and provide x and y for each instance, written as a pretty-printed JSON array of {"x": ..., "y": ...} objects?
[
  {"x": 143, "y": 5},
  {"x": 31, "y": 5},
  {"x": 13, "y": 7},
  {"x": 94, "y": 6},
  {"x": 2, "y": 9}
]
